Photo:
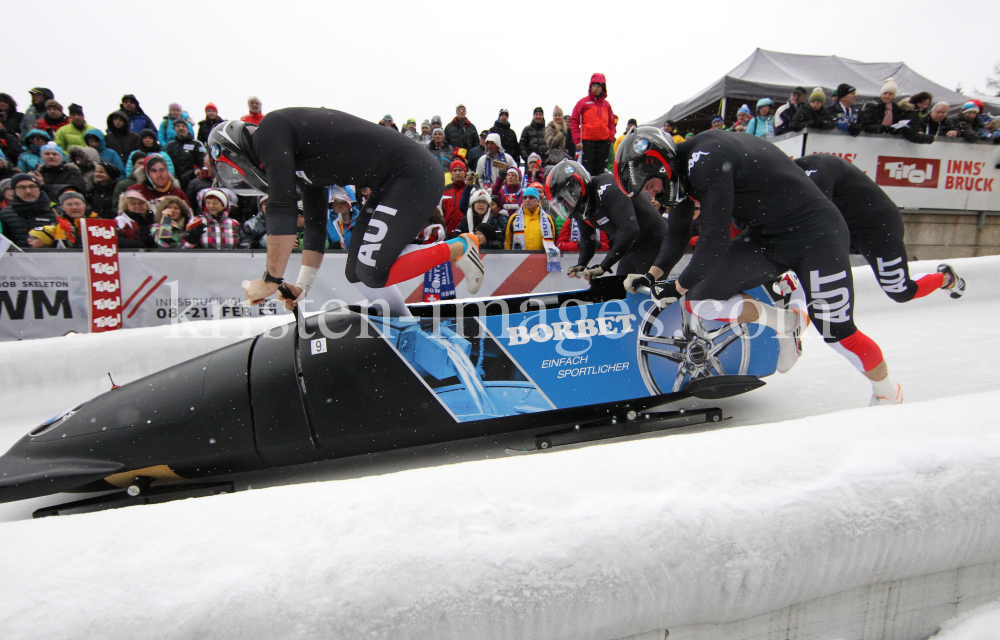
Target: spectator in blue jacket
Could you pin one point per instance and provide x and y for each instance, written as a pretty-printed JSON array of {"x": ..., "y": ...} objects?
[
  {"x": 167, "y": 131},
  {"x": 137, "y": 118},
  {"x": 341, "y": 216},
  {"x": 95, "y": 140},
  {"x": 148, "y": 143},
  {"x": 762, "y": 125},
  {"x": 743, "y": 117},
  {"x": 32, "y": 154}
]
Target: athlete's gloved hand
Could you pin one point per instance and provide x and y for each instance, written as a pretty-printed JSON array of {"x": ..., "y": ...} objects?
[
  {"x": 290, "y": 295},
  {"x": 664, "y": 293},
  {"x": 576, "y": 270},
  {"x": 593, "y": 272},
  {"x": 635, "y": 280}
]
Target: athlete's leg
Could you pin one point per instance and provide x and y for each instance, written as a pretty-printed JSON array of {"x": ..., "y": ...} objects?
[
  {"x": 881, "y": 243},
  {"x": 635, "y": 262}
]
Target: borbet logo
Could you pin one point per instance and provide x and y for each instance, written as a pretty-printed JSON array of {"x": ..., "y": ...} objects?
[{"x": 907, "y": 172}]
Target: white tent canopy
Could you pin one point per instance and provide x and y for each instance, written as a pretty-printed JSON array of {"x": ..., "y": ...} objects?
[{"x": 773, "y": 74}]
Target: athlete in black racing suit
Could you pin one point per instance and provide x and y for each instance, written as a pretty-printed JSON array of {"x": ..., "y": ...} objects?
[
  {"x": 313, "y": 149},
  {"x": 876, "y": 228},
  {"x": 787, "y": 222},
  {"x": 635, "y": 227}
]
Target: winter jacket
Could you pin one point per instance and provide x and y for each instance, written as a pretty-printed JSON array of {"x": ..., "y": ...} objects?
[
  {"x": 71, "y": 226},
  {"x": 58, "y": 178},
  {"x": 532, "y": 230},
  {"x": 255, "y": 118},
  {"x": 461, "y": 134},
  {"x": 487, "y": 173},
  {"x": 442, "y": 154},
  {"x": 450, "y": 205},
  {"x": 253, "y": 234},
  {"x": 333, "y": 239},
  {"x": 31, "y": 114},
  {"x": 761, "y": 126},
  {"x": 870, "y": 121},
  {"x": 593, "y": 118},
  {"x": 968, "y": 131},
  {"x": 812, "y": 118},
  {"x": 102, "y": 201},
  {"x": 844, "y": 118},
  {"x": 29, "y": 158},
  {"x": 51, "y": 126},
  {"x": 205, "y": 127},
  {"x": 932, "y": 127},
  {"x": 131, "y": 159},
  {"x": 10, "y": 146},
  {"x": 153, "y": 196},
  {"x": 510, "y": 201},
  {"x": 13, "y": 121},
  {"x": 569, "y": 237},
  {"x": 533, "y": 139},
  {"x": 783, "y": 117},
  {"x": 473, "y": 156},
  {"x": 498, "y": 225},
  {"x": 187, "y": 155},
  {"x": 167, "y": 134},
  {"x": 18, "y": 218},
  {"x": 107, "y": 155},
  {"x": 558, "y": 137},
  {"x": 121, "y": 141},
  {"x": 69, "y": 136},
  {"x": 219, "y": 233},
  {"x": 508, "y": 140},
  {"x": 169, "y": 234}
]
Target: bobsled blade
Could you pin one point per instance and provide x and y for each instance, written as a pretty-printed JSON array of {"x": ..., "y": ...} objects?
[
  {"x": 21, "y": 478},
  {"x": 722, "y": 386}
]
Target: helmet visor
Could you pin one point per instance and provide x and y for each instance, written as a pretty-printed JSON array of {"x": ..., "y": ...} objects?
[
  {"x": 233, "y": 177},
  {"x": 565, "y": 202}
]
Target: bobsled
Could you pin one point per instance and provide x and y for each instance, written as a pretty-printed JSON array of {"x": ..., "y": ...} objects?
[{"x": 571, "y": 366}]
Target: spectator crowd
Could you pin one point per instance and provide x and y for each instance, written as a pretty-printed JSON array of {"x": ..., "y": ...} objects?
[{"x": 153, "y": 178}]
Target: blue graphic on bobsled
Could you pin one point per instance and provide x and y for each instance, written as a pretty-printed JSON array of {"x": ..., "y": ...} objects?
[{"x": 575, "y": 355}]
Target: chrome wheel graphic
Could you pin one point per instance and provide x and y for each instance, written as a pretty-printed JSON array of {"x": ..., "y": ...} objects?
[{"x": 675, "y": 337}]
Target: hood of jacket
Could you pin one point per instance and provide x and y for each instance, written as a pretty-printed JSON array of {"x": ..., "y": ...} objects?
[
  {"x": 156, "y": 142},
  {"x": 35, "y": 132},
  {"x": 120, "y": 113},
  {"x": 599, "y": 79},
  {"x": 96, "y": 133},
  {"x": 138, "y": 107},
  {"x": 764, "y": 102}
]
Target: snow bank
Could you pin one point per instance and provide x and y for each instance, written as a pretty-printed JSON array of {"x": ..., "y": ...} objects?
[
  {"x": 982, "y": 623},
  {"x": 600, "y": 542}
]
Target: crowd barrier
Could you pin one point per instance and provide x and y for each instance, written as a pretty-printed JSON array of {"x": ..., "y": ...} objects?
[
  {"x": 948, "y": 174},
  {"x": 44, "y": 293}
]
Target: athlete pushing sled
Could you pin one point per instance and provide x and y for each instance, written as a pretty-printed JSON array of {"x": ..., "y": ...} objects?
[{"x": 314, "y": 149}]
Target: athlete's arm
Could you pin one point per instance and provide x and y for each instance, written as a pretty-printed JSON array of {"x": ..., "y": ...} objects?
[
  {"x": 676, "y": 240},
  {"x": 586, "y": 244},
  {"x": 711, "y": 177},
  {"x": 618, "y": 211}
]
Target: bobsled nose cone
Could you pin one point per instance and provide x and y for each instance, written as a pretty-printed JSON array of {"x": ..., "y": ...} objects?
[{"x": 22, "y": 478}]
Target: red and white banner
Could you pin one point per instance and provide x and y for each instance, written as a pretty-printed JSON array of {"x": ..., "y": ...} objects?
[
  {"x": 947, "y": 174},
  {"x": 104, "y": 287}
]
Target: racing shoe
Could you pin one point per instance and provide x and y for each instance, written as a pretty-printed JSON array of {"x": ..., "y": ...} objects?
[
  {"x": 956, "y": 285},
  {"x": 880, "y": 400},
  {"x": 790, "y": 342},
  {"x": 471, "y": 264}
]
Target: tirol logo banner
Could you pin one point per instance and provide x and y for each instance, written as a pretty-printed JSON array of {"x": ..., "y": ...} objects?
[
  {"x": 100, "y": 249},
  {"x": 908, "y": 172}
]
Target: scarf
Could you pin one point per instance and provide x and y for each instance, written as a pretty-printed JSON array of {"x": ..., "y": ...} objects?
[
  {"x": 502, "y": 157},
  {"x": 887, "y": 118},
  {"x": 510, "y": 201},
  {"x": 31, "y": 209},
  {"x": 552, "y": 253}
]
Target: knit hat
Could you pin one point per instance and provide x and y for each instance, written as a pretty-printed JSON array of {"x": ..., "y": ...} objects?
[
  {"x": 53, "y": 103},
  {"x": 436, "y": 119},
  {"x": 531, "y": 192},
  {"x": 111, "y": 170},
  {"x": 479, "y": 194},
  {"x": 387, "y": 118},
  {"x": 211, "y": 105},
  {"x": 538, "y": 110},
  {"x": 514, "y": 170},
  {"x": 4, "y": 184},
  {"x": 425, "y": 123},
  {"x": 216, "y": 193},
  {"x": 18, "y": 178},
  {"x": 889, "y": 86},
  {"x": 485, "y": 229},
  {"x": 69, "y": 195},
  {"x": 764, "y": 102},
  {"x": 968, "y": 106},
  {"x": 843, "y": 89},
  {"x": 717, "y": 119},
  {"x": 411, "y": 121},
  {"x": 147, "y": 133},
  {"x": 557, "y": 108},
  {"x": 817, "y": 94},
  {"x": 50, "y": 146},
  {"x": 181, "y": 121},
  {"x": 48, "y": 234},
  {"x": 745, "y": 109},
  {"x": 533, "y": 156},
  {"x": 504, "y": 112},
  {"x": 456, "y": 164},
  {"x": 459, "y": 106},
  {"x": 75, "y": 109}
]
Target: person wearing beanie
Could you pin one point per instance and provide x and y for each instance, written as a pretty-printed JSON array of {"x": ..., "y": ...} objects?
[
  {"x": 762, "y": 124},
  {"x": 842, "y": 111},
  {"x": 558, "y": 139},
  {"x": 967, "y": 122},
  {"x": 743, "y": 116},
  {"x": 135, "y": 215},
  {"x": 167, "y": 132},
  {"x": 813, "y": 116},
  {"x": 148, "y": 143},
  {"x": 73, "y": 207},
  {"x": 486, "y": 235},
  {"x": 211, "y": 119},
  {"x": 441, "y": 150},
  {"x": 509, "y": 190},
  {"x": 72, "y": 134},
  {"x": 6, "y": 194},
  {"x": 529, "y": 228},
  {"x": 718, "y": 123},
  {"x": 508, "y": 139},
  {"x": 100, "y": 194},
  {"x": 255, "y": 106},
  {"x": 480, "y": 217},
  {"x": 452, "y": 198},
  {"x": 56, "y": 173},
  {"x": 47, "y": 237},
  {"x": 425, "y": 133},
  {"x": 533, "y": 135},
  {"x": 54, "y": 118},
  {"x": 783, "y": 116},
  {"x": 410, "y": 130},
  {"x": 460, "y": 133},
  {"x": 137, "y": 118},
  {"x": 533, "y": 171},
  {"x": 30, "y": 208},
  {"x": 214, "y": 229},
  {"x": 492, "y": 165},
  {"x": 885, "y": 116}
]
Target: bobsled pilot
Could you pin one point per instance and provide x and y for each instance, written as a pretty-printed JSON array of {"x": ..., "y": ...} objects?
[
  {"x": 315, "y": 148},
  {"x": 787, "y": 224},
  {"x": 636, "y": 228},
  {"x": 876, "y": 228}
]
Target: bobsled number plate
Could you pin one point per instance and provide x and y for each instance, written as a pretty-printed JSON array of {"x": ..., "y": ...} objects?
[{"x": 573, "y": 355}]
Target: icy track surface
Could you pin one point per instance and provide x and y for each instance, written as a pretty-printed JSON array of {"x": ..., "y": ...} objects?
[{"x": 597, "y": 542}]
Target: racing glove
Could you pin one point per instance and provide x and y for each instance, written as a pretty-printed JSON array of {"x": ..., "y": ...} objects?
[
  {"x": 593, "y": 272},
  {"x": 575, "y": 271},
  {"x": 635, "y": 280},
  {"x": 664, "y": 293}
]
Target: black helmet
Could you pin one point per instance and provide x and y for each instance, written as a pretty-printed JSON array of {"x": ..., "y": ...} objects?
[
  {"x": 230, "y": 150},
  {"x": 645, "y": 153},
  {"x": 566, "y": 188}
]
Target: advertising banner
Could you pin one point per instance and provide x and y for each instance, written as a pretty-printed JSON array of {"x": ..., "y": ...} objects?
[{"x": 104, "y": 287}]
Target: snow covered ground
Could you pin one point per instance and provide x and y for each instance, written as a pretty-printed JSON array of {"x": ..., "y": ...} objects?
[
  {"x": 814, "y": 495},
  {"x": 982, "y": 623}
]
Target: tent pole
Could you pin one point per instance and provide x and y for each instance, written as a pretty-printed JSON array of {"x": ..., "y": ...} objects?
[{"x": 722, "y": 108}]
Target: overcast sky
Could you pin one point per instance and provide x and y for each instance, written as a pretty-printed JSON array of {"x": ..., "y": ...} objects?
[{"x": 417, "y": 59}]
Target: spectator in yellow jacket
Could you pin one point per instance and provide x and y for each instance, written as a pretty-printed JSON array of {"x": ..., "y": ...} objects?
[
  {"x": 72, "y": 135},
  {"x": 530, "y": 229}
]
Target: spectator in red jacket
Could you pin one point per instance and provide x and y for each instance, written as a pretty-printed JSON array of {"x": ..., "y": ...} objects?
[
  {"x": 569, "y": 237},
  {"x": 159, "y": 183},
  {"x": 453, "y": 213},
  {"x": 593, "y": 126},
  {"x": 255, "y": 115},
  {"x": 53, "y": 120}
]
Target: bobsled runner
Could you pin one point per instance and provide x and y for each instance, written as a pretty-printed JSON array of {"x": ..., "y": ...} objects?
[{"x": 348, "y": 382}]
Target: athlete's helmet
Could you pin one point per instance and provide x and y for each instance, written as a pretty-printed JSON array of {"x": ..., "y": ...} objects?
[
  {"x": 645, "y": 153},
  {"x": 567, "y": 188},
  {"x": 230, "y": 150}
]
